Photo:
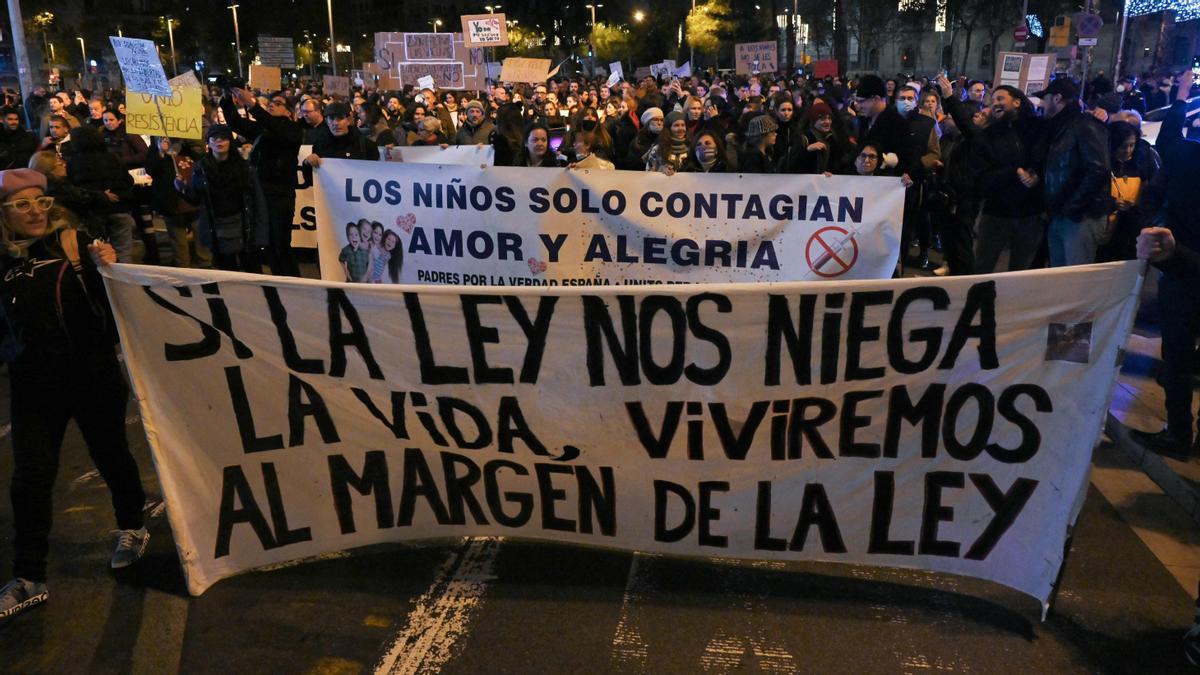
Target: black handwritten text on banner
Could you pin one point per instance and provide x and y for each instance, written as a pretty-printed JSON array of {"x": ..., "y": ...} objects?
[{"x": 938, "y": 424}]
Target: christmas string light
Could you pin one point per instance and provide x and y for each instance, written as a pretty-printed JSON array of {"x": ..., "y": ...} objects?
[
  {"x": 1035, "y": 25},
  {"x": 1185, "y": 10}
]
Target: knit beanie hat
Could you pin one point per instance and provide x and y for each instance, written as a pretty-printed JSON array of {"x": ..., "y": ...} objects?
[
  {"x": 650, "y": 114},
  {"x": 674, "y": 117},
  {"x": 818, "y": 110},
  {"x": 761, "y": 126}
]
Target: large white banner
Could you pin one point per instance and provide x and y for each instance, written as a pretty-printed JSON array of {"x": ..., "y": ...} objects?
[
  {"x": 505, "y": 226},
  {"x": 940, "y": 424},
  {"x": 304, "y": 223}
]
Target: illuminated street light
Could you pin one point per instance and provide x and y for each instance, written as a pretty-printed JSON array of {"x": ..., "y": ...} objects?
[
  {"x": 638, "y": 16},
  {"x": 237, "y": 39},
  {"x": 436, "y": 23}
]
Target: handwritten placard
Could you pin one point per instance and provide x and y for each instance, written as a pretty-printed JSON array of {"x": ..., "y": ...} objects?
[
  {"x": 337, "y": 85},
  {"x": 484, "y": 30},
  {"x": 141, "y": 66}
]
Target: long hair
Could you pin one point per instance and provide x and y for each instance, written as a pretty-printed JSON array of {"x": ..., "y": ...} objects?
[{"x": 397, "y": 256}]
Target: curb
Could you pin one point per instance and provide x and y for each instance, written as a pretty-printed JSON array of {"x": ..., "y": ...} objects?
[{"x": 1183, "y": 491}]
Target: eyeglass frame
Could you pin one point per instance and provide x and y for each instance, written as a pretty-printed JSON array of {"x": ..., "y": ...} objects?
[{"x": 32, "y": 201}]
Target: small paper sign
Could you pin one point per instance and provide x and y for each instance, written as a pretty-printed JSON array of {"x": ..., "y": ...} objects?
[{"x": 141, "y": 66}]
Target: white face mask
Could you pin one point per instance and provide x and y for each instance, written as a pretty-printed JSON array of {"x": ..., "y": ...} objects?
[
  {"x": 1120, "y": 89},
  {"x": 905, "y": 106}
]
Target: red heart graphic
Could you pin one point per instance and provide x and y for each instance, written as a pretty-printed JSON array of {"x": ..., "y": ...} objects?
[
  {"x": 536, "y": 266},
  {"x": 406, "y": 222}
]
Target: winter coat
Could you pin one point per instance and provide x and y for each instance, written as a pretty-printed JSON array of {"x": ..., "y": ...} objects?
[
  {"x": 234, "y": 173},
  {"x": 1181, "y": 164},
  {"x": 276, "y": 142},
  {"x": 92, "y": 167},
  {"x": 1076, "y": 180},
  {"x": 127, "y": 147},
  {"x": 474, "y": 135}
]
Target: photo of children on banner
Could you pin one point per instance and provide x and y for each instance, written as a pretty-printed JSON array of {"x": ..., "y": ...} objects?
[{"x": 373, "y": 251}]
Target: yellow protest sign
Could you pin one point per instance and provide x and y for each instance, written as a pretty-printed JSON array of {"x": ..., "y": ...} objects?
[{"x": 182, "y": 111}]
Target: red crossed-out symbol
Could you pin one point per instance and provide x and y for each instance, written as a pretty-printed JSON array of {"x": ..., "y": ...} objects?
[{"x": 822, "y": 251}]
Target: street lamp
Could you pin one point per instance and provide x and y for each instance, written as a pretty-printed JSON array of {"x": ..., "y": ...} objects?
[
  {"x": 638, "y": 16},
  {"x": 492, "y": 9},
  {"x": 237, "y": 39},
  {"x": 593, "y": 8},
  {"x": 332, "y": 42},
  {"x": 83, "y": 49},
  {"x": 171, "y": 36},
  {"x": 436, "y": 23}
]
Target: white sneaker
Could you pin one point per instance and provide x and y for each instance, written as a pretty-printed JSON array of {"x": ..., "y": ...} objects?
[
  {"x": 131, "y": 545},
  {"x": 20, "y": 594}
]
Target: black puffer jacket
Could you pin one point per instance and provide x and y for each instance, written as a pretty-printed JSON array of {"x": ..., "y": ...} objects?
[
  {"x": 1076, "y": 179},
  {"x": 996, "y": 152},
  {"x": 1181, "y": 164},
  {"x": 276, "y": 144}
]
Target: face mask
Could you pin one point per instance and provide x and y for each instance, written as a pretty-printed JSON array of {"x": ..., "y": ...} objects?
[
  {"x": 1120, "y": 89},
  {"x": 904, "y": 106},
  {"x": 706, "y": 154}
]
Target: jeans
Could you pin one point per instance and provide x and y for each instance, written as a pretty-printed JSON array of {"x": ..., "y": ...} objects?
[
  {"x": 118, "y": 227},
  {"x": 177, "y": 232},
  {"x": 91, "y": 391},
  {"x": 993, "y": 234},
  {"x": 1075, "y": 243}
]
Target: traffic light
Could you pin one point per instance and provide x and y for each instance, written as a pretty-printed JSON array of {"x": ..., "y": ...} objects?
[{"x": 1060, "y": 33}]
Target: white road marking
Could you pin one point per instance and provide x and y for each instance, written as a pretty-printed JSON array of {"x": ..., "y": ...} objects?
[
  {"x": 749, "y": 645},
  {"x": 629, "y": 649},
  {"x": 86, "y": 478},
  {"x": 443, "y": 613}
]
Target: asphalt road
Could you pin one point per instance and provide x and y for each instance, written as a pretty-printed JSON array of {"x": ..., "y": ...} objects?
[{"x": 506, "y": 606}]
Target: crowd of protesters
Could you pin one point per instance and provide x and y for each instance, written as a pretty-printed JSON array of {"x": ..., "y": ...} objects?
[{"x": 1057, "y": 177}]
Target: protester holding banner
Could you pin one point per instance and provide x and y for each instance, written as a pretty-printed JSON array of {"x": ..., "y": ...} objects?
[
  {"x": 1179, "y": 286},
  {"x": 754, "y": 156},
  {"x": 707, "y": 153},
  {"x": 344, "y": 140},
  {"x": 638, "y": 146},
  {"x": 234, "y": 217},
  {"x": 57, "y": 338},
  {"x": 823, "y": 146},
  {"x": 536, "y": 150},
  {"x": 670, "y": 151},
  {"x": 787, "y": 137}
]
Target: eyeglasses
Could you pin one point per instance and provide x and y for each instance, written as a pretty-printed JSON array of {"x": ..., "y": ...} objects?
[
  {"x": 868, "y": 156},
  {"x": 26, "y": 205}
]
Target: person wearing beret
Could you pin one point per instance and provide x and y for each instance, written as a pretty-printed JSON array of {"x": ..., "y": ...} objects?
[{"x": 57, "y": 337}]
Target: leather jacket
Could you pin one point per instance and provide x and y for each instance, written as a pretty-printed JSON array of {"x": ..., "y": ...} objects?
[{"x": 1077, "y": 178}]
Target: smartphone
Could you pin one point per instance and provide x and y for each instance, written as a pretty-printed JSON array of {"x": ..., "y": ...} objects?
[{"x": 1196, "y": 65}]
